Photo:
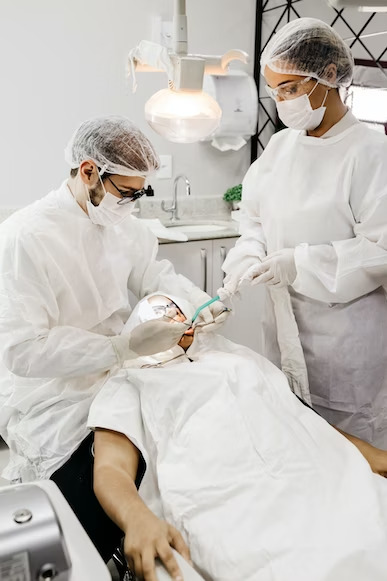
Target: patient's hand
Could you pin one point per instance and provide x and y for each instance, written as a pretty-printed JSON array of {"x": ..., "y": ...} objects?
[
  {"x": 116, "y": 463},
  {"x": 376, "y": 458},
  {"x": 147, "y": 538}
]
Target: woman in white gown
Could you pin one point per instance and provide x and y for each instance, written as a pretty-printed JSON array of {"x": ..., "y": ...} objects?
[{"x": 314, "y": 222}]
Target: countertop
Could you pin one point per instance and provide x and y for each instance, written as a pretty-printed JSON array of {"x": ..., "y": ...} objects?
[{"x": 231, "y": 231}]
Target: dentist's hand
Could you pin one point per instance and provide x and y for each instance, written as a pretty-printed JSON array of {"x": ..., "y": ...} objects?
[
  {"x": 212, "y": 316},
  {"x": 148, "y": 538},
  {"x": 156, "y": 336},
  {"x": 148, "y": 338},
  {"x": 278, "y": 269}
]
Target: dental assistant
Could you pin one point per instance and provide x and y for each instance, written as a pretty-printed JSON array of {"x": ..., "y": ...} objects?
[
  {"x": 315, "y": 223},
  {"x": 67, "y": 263}
]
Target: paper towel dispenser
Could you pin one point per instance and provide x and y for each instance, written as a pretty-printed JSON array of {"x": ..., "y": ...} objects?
[{"x": 237, "y": 96}]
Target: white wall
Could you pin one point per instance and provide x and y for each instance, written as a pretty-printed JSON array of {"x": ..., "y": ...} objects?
[{"x": 63, "y": 61}]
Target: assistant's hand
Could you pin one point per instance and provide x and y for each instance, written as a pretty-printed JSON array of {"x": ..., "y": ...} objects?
[
  {"x": 233, "y": 279},
  {"x": 156, "y": 336},
  {"x": 278, "y": 268},
  {"x": 147, "y": 538}
]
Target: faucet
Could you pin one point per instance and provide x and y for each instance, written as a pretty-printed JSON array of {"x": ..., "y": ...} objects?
[{"x": 173, "y": 208}]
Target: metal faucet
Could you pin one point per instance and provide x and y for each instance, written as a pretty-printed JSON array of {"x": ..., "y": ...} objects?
[{"x": 173, "y": 208}]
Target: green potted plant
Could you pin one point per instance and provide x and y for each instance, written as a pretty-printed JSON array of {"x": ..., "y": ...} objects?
[{"x": 233, "y": 196}]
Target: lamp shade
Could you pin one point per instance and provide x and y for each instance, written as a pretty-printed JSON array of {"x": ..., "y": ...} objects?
[{"x": 183, "y": 116}]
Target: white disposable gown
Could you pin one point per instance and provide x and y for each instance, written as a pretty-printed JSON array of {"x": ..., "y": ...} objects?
[
  {"x": 327, "y": 198},
  {"x": 260, "y": 486},
  {"x": 63, "y": 293}
]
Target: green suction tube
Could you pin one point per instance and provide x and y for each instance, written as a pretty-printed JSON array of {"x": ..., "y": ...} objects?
[{"x": 217, "y": 298}]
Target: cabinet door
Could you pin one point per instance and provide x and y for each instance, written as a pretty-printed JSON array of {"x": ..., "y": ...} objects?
[
  {"x": 244, "y": 325},
  {"x": 192, "y": 259}
]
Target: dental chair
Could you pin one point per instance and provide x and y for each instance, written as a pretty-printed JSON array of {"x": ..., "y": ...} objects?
[{"x": 42, "y": 540}]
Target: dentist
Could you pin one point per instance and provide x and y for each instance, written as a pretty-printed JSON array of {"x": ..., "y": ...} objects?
[{"x": 67, "y": 263}]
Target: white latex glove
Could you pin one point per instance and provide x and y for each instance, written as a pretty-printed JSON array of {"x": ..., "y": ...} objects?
[
  {"x": 278, "y": 268},
  {"x": 212, "y": 316},
  {"x": 149, "y": 338},
  {"x": 232, "y": 280}
]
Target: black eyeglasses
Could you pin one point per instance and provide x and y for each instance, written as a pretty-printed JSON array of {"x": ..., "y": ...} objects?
[{"x": 127, "y": 196}]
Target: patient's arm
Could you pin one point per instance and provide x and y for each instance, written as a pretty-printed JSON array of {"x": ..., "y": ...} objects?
[
  {"x": 376, "y": 458},
  {"x": 146, "y": 537}
]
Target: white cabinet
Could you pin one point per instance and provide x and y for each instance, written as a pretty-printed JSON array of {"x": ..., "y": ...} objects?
[
  {"x": 192, "y": 259},
  {"x": 201, "y": 262}
]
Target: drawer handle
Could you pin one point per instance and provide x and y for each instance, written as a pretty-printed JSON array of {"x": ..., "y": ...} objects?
[
  {"x": 203, "y": 258},
  {"x": 223, "y": 254}
]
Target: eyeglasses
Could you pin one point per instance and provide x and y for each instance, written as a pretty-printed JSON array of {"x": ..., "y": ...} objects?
[
  {"x": 170, "y": 310},
  {"x": 290, "y": 90},
  {"x": 127, "y": 196}
]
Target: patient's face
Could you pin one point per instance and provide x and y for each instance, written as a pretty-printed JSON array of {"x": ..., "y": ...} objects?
[{"x": 163, "y": 307}]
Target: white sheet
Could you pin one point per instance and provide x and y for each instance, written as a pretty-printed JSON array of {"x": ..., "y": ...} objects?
[{"x": 261, "y": 487}]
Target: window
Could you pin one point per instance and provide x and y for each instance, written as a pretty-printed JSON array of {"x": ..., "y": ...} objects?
[{"x": 367, "y": 96}]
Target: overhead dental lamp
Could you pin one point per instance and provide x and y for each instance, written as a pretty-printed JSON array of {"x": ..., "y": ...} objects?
[{"x": 183, "y": 112}]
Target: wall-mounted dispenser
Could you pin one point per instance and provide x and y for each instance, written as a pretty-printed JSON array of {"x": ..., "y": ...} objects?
[{"x": 237, "y": 95}]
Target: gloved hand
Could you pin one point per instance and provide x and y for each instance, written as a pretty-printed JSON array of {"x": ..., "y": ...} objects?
[
  {"x": 232, "y": 280},
  {"x": 149, "y": 338},
  {"x": 212, "y": 316},
  {"x": 278, "y": 268}
]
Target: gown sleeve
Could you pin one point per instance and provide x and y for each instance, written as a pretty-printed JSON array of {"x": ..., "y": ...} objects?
[
  {"x": 251, "y": 246},
  {"x": 345, "y": 270},
  {"x": 33, "y": 344}
]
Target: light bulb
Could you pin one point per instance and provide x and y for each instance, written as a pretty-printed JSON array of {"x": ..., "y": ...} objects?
[{"x": 183, "y": 116}]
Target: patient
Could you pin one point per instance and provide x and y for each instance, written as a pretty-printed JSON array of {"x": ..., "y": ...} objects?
[{"x": 255, "y": 483}]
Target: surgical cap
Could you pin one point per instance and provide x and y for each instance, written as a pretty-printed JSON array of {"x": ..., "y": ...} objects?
[
  {"x": 306, "y": 47},
  {"x": 115, "y": 145}
]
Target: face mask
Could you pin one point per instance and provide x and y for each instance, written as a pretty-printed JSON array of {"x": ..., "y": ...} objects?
[
  {"x": 299, "y": 114},
  {"x": 108, "y": 212}
]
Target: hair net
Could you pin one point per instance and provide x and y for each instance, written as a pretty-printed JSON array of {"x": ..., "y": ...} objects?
[
  {"x": 306, "y": 47},
  {"x": 116, "y": 146}
]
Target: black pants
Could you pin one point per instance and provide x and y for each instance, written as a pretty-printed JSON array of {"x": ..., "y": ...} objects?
[{"x": 75, "y": 480}]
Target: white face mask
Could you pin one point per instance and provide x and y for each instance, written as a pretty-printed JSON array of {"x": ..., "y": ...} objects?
[
  {"x": 299, "y": 114},
  {"x": 108, "y": 212}
]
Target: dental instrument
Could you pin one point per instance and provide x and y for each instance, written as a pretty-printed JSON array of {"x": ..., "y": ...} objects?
[{"x": 207, "y": 304}]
